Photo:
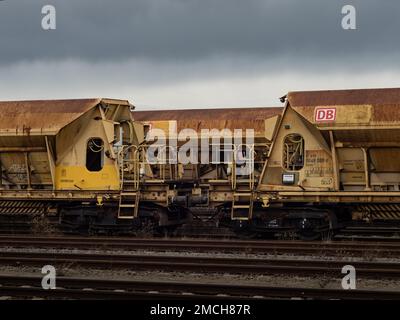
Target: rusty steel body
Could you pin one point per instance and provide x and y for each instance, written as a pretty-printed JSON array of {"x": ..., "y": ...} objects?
[
  {"x": 209, "y": 181},
  {"x": 352, "y": 159},
  {"x": 43, "y": 151},
  {"x": 349, "y": 160},
  {"x": 199, "y": 119}
]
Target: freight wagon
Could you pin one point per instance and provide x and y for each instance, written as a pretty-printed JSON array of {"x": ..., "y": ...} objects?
[{"x": 324, "y": 161}]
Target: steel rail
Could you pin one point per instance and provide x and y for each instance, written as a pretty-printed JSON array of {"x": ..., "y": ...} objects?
[
  {"x": 90, "y": 288},
  {"x": 200, "y": 264},
  {"x": 112, "y": 239},
  {"x": 271, "y": 247},
  {"x": 199, "y": 241}
]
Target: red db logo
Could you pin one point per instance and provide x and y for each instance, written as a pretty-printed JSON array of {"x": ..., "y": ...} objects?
[{"x": 325, "y": 114}]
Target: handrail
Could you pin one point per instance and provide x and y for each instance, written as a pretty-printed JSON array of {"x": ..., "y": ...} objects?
[{"x": 132, "y": 158}]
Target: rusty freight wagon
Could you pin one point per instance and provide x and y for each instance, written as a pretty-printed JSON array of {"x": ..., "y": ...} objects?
[
  {"x": 327, "y": 161},
  {"x": 210, "y": 182},
  {"x": 330, "y": 160},
  {"x": 335, "y": 160},
  {"x": 62, "y": 159}
]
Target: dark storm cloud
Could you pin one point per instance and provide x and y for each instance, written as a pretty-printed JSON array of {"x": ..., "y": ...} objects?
[
  {"x": 195, "y": 53},
  {"x": 302, "y": 32}
]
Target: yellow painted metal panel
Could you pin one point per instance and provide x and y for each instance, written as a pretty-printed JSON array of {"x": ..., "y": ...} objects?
[
  {"x": 78, "y": 177},
  {"x": 270, "y": 126}
]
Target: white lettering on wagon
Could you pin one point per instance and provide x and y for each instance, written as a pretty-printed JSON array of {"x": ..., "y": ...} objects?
[{"x": 325, "y": 114}]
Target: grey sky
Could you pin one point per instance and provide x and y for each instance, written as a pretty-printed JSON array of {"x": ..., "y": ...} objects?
[{"x": 194, "y": 53}]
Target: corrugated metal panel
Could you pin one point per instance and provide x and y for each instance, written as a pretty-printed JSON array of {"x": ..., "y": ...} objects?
[
  {"x": 47, "y": 116},
  {"x": 380, "y": 211},
  {"x": 23, "y": 207}
]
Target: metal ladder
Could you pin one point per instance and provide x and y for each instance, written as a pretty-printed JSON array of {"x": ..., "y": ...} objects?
[
  {"x": 250, "y": 180},
  {"x": 242, "y": 206},
  {"x": 128, "y": 200},
  {"x": 168, "y": 168},
  {"x": 129, "y": 164},
  {"x": 242, "y": 201}
]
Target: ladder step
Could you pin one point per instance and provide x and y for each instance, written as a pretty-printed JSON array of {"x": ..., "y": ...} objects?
[
  {"x": 240, "y": 218},
  {"x": 244, "y": 194},
  {"x": 241, "y": 206},
  {"x": 127, "y": 205},
  {"x": 128, "y": 193},
  {"x": 125, "y": 217}
]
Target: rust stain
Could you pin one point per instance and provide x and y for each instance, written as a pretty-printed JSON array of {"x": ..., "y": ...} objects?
[
  {"x": 42, "y": 115},
  {"x": 385, "y": 102},
  {"x": 260, "y": 113},
  {"x": 198, "y": 119},
  {"x": 26, "y": 130}
]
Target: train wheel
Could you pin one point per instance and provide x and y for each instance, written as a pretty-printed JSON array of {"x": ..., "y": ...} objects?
[
  {"x": 243, "y": 230},
  {"x": 309, "y": 235},
  {"x": 246, "y": 235}
]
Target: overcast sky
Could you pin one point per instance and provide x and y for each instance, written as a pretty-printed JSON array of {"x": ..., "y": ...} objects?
[{"x": 195, "y": 53}]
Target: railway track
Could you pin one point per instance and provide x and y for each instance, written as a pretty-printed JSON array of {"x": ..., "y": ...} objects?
[
  {"x": 361, "y": 233},
  {"x": 86, "y": 288},
  {"x": 199, "y": 264},
  {"x": 200, "y": 245}
]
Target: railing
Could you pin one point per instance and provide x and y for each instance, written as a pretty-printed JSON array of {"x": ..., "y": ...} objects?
[
  {"x": 129, "y": 164},
  {"x": 246, "y": 169},
  {"x": 238, "y": 163}
]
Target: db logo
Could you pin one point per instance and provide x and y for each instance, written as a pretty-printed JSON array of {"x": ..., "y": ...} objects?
[{"x": 325, "y": 114}]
